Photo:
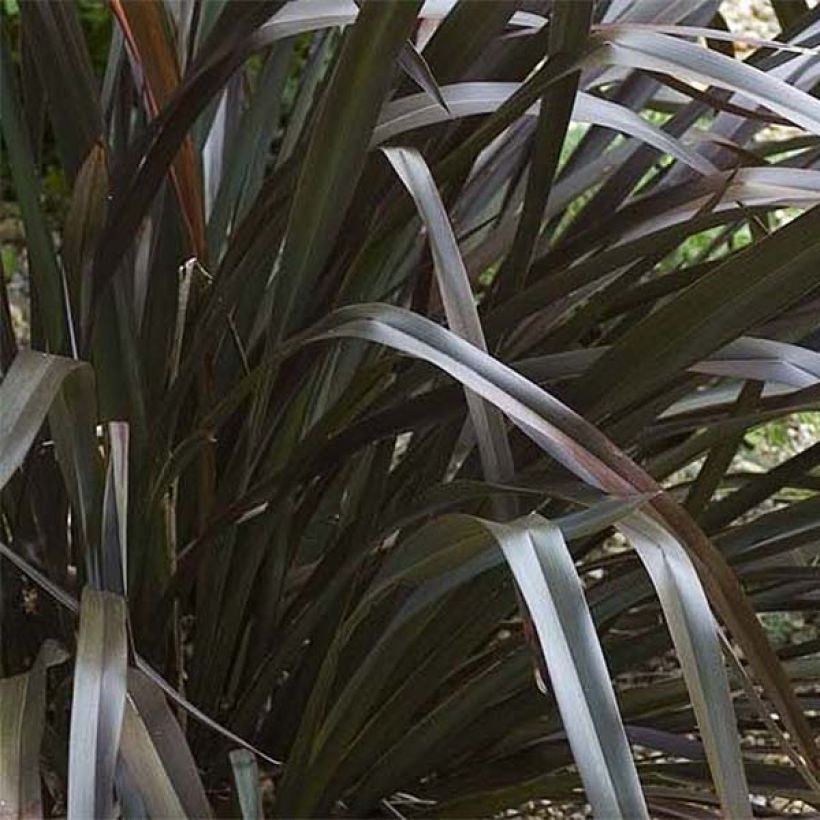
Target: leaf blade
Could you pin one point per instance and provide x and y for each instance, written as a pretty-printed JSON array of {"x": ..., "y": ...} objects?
[
  {"x": 694, "y": 633},
  {"x": 98, "y": 704},
  {"x": 22, "y": 721},
  {"x": 543, "y": 568},
  {"x": 26, "y": 394}
]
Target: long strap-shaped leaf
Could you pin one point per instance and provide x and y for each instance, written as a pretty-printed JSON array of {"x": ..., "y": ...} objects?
[
  {"x": 22, "y": 719},
  {"x": 145, "y": 30},
  {"x": 710, "y": 33},
  {"x": 568, "y": 30},
  {"x": 469, "y": 99},
  {"x": 450, "y": 541},
  {"x": 38, "y": 385},
  {"x": 451, "y": 551},
  {"x": 763, "y": 360},
  {"x": 651, "y": 51},
  {"x": 462, "y": 317},
  {"x": 114, "y": 552},
  {"x": 590, "y": 455},
  {"x": 246, "y": 777},
  {"x": 543, "y": 568},
  {"x": 737, "y": 295},
  {"x": 67, "y": 77},
  {"x": 84, "y": 221},
  {"x": 337, "y": 150},
  {"x": 458, "y": 300},
  {"x": 97, "y": 705},
  {"x": 156, "y": 754},
  {"x": 26, "y": 394},
  {"x": 142, "y": 780},
  {"x": 694, "y": 633},
  {"x": 43, "y": 267},
  {"x": 70, "y": 603},
  {"x": 139, "y": 179}
]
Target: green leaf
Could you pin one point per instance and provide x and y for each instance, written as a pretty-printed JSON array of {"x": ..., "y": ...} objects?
[
  {"x": 584, "y": 450},
  {"x": 337, "y": 149},
  {"x": 544, "y": 571},
  {"x": 26, "y": 395},
  {"x": 85, "y": 220},
  {"x": 459, "y": 303},
  {"x": 114, "y": 550},
  {"x": 246, "y": 778},
  {"x": 740, "y": 293},
  {"x": 22, "y": 720},
  {"x": 472, "y": 98},
  {"x": 98, "y": 704},
  {"x": 46, "y": 277},
  {"x": 569, "y": 27},
  {"x": 658, "y": 52},
  {"x": 156, "y": 754},
  {"x": 695, "y": 635}
]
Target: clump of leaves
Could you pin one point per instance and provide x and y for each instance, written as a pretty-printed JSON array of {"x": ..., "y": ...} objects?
[{"x": 344, "y": 366}]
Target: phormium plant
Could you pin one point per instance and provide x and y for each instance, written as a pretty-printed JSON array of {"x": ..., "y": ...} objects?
[{"x": 374, "y": 452}]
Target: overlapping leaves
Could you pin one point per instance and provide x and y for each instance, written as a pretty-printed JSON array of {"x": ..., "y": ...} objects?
[{"x": 348, "y": 569}]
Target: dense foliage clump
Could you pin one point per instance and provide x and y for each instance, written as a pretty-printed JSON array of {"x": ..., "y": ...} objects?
[{"x": 387, "y": 400}]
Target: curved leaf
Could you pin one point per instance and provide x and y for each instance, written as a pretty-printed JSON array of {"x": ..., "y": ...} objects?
[
  {"x": 741, "y": 292},
  {"x": 659, "y": 52},
  {"x": 469, "y": 99},
  {"x": 590, "y": 455},
  {"x": 694, "y": 633},
  {"x": 544, "y": 571},
  {"x": 26, "y": 395}
]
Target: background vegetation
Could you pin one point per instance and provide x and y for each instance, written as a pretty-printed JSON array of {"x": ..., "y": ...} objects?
[{"x": 409, "y": 409}]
